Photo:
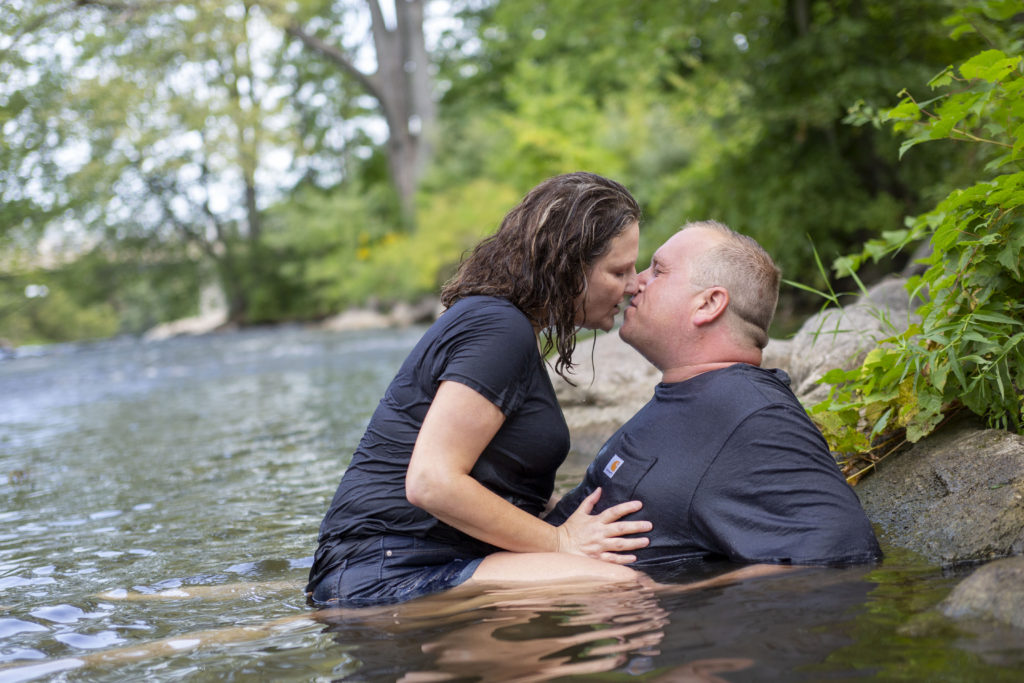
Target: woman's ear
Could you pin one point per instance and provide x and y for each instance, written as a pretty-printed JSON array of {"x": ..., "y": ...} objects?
[{"x": 711, "y": 304}]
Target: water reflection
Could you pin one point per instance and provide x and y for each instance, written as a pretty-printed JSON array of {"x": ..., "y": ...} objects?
[{"x": 525, "y": 634}]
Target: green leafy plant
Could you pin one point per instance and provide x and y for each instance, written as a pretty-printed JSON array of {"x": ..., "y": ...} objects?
[{"x": 966, "y": 348}]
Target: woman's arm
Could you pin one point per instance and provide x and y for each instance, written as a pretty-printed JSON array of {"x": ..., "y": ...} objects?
[{"x": 458, "y": 426}]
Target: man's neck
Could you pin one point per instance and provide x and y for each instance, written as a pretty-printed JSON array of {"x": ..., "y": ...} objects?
[{"x": 681, "y": 373}]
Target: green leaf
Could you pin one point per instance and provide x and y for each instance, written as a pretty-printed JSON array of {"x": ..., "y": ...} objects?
[
  {"x": 994, "y": 317},
  {"x": 939, "y": 372},
  {"x": 907, "y": 110},
  {"x": 942, "y": 79},
  {"x": 838, "y": 375},
  {"x": 980, "y": 65},
  {"x": 881, "y": 424},
  {"x": 913, "y": 142}
]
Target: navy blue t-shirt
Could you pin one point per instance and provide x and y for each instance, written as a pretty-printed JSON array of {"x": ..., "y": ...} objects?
[
  {"x": 489, "y": 345},
  {"x": 729, "y": 466}
]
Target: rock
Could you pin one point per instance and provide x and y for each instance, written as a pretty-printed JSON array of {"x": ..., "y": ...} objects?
[
  {"x": 612, "y": 380},
  {"x": 994, "y": 591},
  {"x": 402, "y": 315},
  {"x": 957, "y": 496},
  {"x": 778, "y": 354},
  {"x": 423, "y": 311},
  {"x": 841, "y": 337},
  {"x": 199, "y": 324},
  {"x": 356, "y": 319}
]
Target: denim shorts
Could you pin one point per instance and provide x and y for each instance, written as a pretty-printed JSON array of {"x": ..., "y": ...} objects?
[{"x": 394, "y": 569}]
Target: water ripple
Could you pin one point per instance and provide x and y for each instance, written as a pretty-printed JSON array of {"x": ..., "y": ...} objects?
[
  {"x": 10, "y": 627},
  {"x": 93, "y": 641}
]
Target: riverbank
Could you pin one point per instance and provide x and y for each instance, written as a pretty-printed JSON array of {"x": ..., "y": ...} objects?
[{"x": 401, "y": 314}]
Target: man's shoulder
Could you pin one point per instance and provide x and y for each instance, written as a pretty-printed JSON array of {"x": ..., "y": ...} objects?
[
  {"x": 741, "y": 388},
  {"x": 770, "y": 381}
]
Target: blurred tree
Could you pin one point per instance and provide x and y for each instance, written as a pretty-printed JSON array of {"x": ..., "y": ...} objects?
[
  {"x": 249, "y": 133},
  {"x": 163, "y": 122},
  {"x": 401, "y": 82},
  {"x": 32, "y": 79},
  {"x": 183, "y": 121}
]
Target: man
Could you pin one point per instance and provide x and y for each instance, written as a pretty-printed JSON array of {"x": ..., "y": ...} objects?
[{"x": 724, "y": 458}]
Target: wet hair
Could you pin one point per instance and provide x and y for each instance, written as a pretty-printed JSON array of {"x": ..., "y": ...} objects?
[
  {"x": 747, "y": 272},
  {"x": 539, "y": 257}
]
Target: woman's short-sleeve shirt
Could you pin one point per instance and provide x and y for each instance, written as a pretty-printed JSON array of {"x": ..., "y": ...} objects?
[{"x": 489, "y": 345}]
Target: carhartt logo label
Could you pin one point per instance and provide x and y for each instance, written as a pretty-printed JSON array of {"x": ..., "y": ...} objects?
[{"x": 613, "y": 466}]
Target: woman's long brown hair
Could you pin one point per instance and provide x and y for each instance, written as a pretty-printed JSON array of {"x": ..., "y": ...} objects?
[{"x": 539, "y": 257}]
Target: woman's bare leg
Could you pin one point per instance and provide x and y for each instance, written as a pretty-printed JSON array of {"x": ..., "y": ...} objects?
[{"x": 504, "y": 567}]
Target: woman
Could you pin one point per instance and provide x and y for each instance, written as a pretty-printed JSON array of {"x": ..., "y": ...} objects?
[{"x": 459, "y": 458}]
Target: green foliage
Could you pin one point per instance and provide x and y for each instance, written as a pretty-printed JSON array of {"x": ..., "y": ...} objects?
[
  {"x": 407, "y": 266},
  {"x": 202, "y": 131},
  {"x": 730, "y": 109},
  {"x": 800, "y": 171},
  {"x": 98, "y": 294},
  {"x": 318, "y": 238},
  {"x": 968, "y": 346}
]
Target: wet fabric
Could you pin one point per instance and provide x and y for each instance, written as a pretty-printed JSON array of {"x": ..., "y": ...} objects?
[
  {"x": 729, "y": 466},
  {"x": 393, "y": 569},
  {"x": 487, "y": 344}
]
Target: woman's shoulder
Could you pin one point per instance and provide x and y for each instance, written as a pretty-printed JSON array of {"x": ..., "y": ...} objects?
[
  {"x": 492, "y": 309},
  {"x": 489, "y": 321}
]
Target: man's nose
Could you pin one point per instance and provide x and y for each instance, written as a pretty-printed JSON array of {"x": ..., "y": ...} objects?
[{"x": 642, "y": 279}]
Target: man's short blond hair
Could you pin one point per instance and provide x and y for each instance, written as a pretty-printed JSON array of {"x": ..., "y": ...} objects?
[{"x": 742, "y": 266}]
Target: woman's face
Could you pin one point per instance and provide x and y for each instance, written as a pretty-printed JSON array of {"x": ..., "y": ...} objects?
[{"x": 610, "y": 278}]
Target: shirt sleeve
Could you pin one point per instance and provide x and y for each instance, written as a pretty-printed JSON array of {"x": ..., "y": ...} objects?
[
  {"x": 774, "y": 494},
  {"x": 492, "y": 350}
]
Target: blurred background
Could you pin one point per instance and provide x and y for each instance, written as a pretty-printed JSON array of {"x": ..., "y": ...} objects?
[{"x": 286, "y": 160}]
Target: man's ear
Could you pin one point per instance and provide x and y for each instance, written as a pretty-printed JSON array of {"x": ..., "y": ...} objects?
[{"x": 711, "y": 304}]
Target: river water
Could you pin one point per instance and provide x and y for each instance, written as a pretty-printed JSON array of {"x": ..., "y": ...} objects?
[{"x": 159, "y": 504}]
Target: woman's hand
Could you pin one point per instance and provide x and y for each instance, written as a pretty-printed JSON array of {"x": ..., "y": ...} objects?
[{"x": 601, "y": 536}]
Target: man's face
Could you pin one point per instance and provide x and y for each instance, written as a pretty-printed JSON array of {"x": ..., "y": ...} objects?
[{"x": 656, "y": 318}]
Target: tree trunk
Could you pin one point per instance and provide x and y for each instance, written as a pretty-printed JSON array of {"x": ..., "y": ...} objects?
[{"x": 402, "y": 86}]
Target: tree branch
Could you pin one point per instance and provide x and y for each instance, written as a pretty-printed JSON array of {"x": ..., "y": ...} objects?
[
  {"x": 336, "y": 56},
  {"x": 377, "y": 24}
]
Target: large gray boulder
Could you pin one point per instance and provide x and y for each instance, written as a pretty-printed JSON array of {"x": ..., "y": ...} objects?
[
  {"x": 994, "y": 591},
  {"x": 840, "y": 337},
  {"x": 956, "y": 496}
]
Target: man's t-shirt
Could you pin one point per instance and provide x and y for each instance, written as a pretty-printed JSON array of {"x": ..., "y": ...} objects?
[
  {"x": 729, "y": 466},
  {"x": 489, "y": 345}
]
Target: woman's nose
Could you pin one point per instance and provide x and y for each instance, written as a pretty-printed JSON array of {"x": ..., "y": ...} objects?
[{"x": 633, "y": 284}]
